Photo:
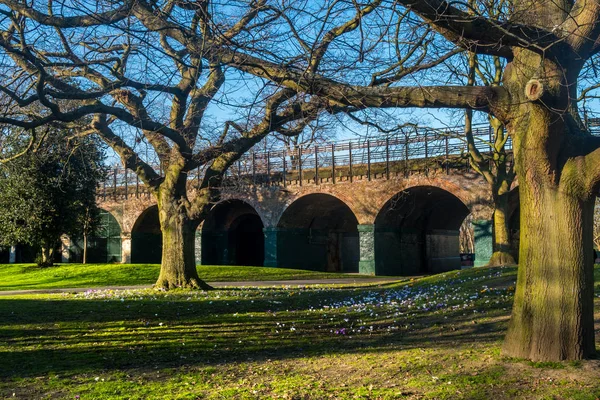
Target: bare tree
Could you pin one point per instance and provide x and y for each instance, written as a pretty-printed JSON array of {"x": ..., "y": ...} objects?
[
  {"x": 546, "y": 44},
  {"x": 495, "y": 164},
  {"x": 345, "y": 53},
  {"x": 100, "y": 71}
]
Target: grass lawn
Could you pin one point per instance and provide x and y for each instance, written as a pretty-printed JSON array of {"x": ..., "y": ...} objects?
[
  {"x": 437, "y": 337},
  {"x": 29, "y": 276}
]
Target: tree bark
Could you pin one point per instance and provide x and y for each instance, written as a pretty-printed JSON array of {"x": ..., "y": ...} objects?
[
  {"x": 47, "y": 255},
  {"x": 84, "y": 248},
  {"x": 552, "y": 315},
  {"x": 501, "y": 242},
  {"x": 178, "y": 265}
]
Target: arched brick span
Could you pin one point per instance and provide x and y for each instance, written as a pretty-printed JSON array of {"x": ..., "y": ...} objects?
[
  {"x": 417, "y": 231},
  {"x": 363, "y": 198},
  {"x": 318, "y": 232},
  {"x": 146, "y": 238},
  {"x": 232, "y": 234}
]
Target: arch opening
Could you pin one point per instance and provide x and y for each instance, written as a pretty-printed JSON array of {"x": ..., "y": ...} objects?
[
  {"x": 103, "y": 246},
  {"x": 232, "y": 234},
  {"x": 146, "y": 238},
  {"x": 417, "y": 231},
  {"x": 318, "y": 232}
]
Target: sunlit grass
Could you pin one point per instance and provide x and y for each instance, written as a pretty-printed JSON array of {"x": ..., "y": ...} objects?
[
  {"x": 437, "y": 338},
  {"x": 29, "y": 276}
]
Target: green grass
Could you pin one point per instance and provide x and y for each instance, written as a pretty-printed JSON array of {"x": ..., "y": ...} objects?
[
  {"x": 433, "y": 338},
  {"x": 29, "y": 276}
]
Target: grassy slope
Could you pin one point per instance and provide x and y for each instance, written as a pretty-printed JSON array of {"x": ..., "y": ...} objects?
[
  {"x": 28, "y": 276},
  {"x": 437, "y": 338}
]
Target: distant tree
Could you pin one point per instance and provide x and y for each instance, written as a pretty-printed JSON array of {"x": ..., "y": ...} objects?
[{"x": 49, "y": 192}]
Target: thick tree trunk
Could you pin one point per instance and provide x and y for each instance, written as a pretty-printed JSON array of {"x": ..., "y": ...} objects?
[
  {"x": 553, "y": 311},
  {"x": 501, "y": 244},
  {"x": 553, "y": 308},
  {"x": 178, "y": 265}
]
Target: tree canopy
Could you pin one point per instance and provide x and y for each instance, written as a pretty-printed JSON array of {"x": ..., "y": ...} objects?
[{"x": 48, "y": 193}]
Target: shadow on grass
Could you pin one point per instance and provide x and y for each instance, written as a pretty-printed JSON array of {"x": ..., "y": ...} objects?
[
  {"x": 41, "y": 336},
  {"x": 80, "y": 336}
]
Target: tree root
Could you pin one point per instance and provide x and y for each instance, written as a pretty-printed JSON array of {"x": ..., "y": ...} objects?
[{"x": 193, "y": 283}]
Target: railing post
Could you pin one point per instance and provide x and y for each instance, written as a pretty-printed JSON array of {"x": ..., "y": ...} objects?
[
  {"x": 350, "y": 160},
  {"x": 447, "y": 156},
  {"x": 115, "y": 184},
  {"x": 300, "y": 164},
  {"x": 126, "y": 185},
  {"x": 137, "y": 186},
  {"x": 284, "y": 170},
  {"x": 426, "y": 154},
  {"x": 253, "y": 168},
  {"x": 368, "y": 159},
  {"x": 268, "y": 168},
  {"x": 387, "y": 158},
  {"x": 316, "y": 165},
  {"x": 333, "y": 163},
  {"x": 406, "y": 154}
]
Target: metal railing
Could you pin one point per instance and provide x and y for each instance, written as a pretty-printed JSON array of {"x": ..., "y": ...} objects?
[{"x": 414, "y": 151}]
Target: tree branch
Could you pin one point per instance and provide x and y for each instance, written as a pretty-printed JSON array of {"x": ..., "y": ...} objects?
[
  {"x": 482, "y": 35},
  {"x": 70, "y": 22},
  {"x": 129, "y": 158},
  {"x": 582, "y": 27}
]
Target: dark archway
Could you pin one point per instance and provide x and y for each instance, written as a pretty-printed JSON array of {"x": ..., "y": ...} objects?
[
  {"x": 232, "y": 234},
  {"x": 417, "y": 231},
  {"x": 318, "y": 232},
  {"x": 104, "y": 246},
  {"x": 146, "y": 238}
]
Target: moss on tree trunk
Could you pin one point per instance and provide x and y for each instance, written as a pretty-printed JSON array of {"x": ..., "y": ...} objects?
[
  {"x": 501, "y": 243},
  {"x": 178, "y": 264},
  {"x": 552, "y": 315}
]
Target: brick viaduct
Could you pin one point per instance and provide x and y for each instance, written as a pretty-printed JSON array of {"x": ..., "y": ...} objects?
[{"x": 386, "y": 225}]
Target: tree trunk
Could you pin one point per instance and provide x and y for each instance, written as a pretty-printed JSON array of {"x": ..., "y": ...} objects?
[
  {"x": 552, "y": 315},
  {"x": 85, "y": 248},
  {"x": 47, "y": 255},
  {"x": 553, "y": 310},
  {"x": 501, "y": 243},
  {"x": 178, "y": 265}
]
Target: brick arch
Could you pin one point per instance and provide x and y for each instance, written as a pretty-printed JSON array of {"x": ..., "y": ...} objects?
[
  {"x": 343, "y": 198},
  {"x": 141, "y": 215},
  {"x": 250, "y": 201},
  {"x": 477, "y": 201},
  {"x": 127, "y": 212},
  {"x": 293, "y": 200},
  {"x": 146, "y": 237},
  {"x": 116, "y": 217},
  {"x": 232, "y": 234},
  {"x": 318, "y": 231},
  {"x": 449, "y": 187},
  {"x": 433, "y": 206}
]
